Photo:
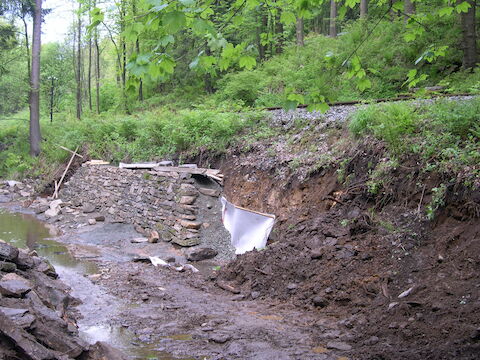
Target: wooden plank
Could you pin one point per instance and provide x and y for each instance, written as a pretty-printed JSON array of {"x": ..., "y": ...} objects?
[
  {"x": 137, "y": 166},
  {"x": 197, "y": 171},
  {"x": 55, "y": 194},
  {"x": 70, "y": 151}
]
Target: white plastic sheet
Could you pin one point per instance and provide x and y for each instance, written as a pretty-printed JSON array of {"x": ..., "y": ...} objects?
[{"x": 249, "y": 229}]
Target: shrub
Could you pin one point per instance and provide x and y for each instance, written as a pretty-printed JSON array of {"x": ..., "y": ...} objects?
[
  {"x": 244, "y": 86},
  {"x": 388, "y": 122}
]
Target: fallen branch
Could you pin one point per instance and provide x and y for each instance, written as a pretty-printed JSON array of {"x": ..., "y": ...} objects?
[{"x": 421, "y": 199}]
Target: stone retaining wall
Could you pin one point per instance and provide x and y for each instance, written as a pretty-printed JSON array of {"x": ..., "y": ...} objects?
[{"x": 162, "y": 202}]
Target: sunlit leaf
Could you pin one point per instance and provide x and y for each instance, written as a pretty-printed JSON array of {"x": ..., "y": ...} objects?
[
  {"x": 288, "y": 17},
  {"x": 174, "y": 21},
  {"x": 247, "y": 62}
]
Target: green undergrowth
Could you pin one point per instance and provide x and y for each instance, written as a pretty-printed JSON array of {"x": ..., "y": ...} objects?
[
  {"x": 147, "y": 136},
  {"x": 443, "y": 136},
  {"x": 321, "y": 66}
]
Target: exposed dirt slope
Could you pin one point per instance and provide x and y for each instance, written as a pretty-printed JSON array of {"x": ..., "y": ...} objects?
[{"x": 341, "y": 251}]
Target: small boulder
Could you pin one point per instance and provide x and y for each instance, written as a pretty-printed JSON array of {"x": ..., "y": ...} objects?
[
  {"x": 319, "y": 301},
  {"x": 195, "y": 225},
  {"x": 40, "y": 209},
  {"x": 100, "y": 218},
  {"x": 54, "y": 209},
  {"x": 153, "y": 237},
  {"x": 187, "y": 242},
  {"x": 7, "y": 267},
  {"x": 8, "y": 252},
  {"x": 209, "y": 192},
  {"x": 201, "y": 254},
  {"x": 92, "y": 221},
  {"x": 24, "y": 260},
  {"x": 88, "y": 208},
  {"x": 220, "y": 338},
  {"x": 5, "y": 198},
  {"x": 187, "y": 200},
  {"x": 139, "y": 240}
]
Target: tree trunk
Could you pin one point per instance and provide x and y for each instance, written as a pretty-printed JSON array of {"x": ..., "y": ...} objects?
[
  {"x": 137, "y": 49},
  {"x": 469, "y": 37},
  {"x": 263, "y": 27},
  {"x": 299, "y": 32},
  {"x": 208, "y": 78},
  {"x": 140, "y": 86},
  {"x": 316, "y": 24},
  {"x": 123, "y": 47},
  {"x": 97, "y": 71},
  {"x": 79, "y": 64},
  {"x": 27, "y": 46},
  {"x": 271, "y": 27},
  {"x": 35, "y": 135},
  {"x": 363, "y": 9},
  {"x": 260, "y": 47},
  {"x": 279, "y": 33},
  {"x": 333, "y": 18},
  {"x": 89, "y": 76}
]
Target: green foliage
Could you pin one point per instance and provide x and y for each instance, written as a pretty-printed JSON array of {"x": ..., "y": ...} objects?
[
  {"x": 444, "y": 135},
  {"x": 389, "y": 122},
  {"x": 437, "y": 201},
  {"x": 317, "y": 72},
  {"x": 153, "y": 136},
  {"x": 244, "y": 86},
  {"x": 380, "y": 175}
]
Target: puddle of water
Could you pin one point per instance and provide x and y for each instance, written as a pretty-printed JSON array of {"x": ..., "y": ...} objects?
[
  {"x": 24, "y": 231},
  {"x": 180, "y": 337},
  {"x": 97, "y": 308},
  {"x": 123, "y": 338}
]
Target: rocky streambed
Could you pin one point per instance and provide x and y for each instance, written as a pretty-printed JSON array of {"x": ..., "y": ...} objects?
[{"x": 37, "y": 311}]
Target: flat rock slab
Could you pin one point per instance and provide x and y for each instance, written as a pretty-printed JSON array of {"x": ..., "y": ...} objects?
[
  {"x": 88, "y": 208},
  {"x": 12, "y": 313},
  {"x": 5, "y": 198},
  {"x": 186, "y": 242},
  {"x": 139, "y": 240},
  {"x": 209, "y": 192},
  {"x": 187, "y": 200},
  {"x": 20, "y": 317},
  {"x": 24, "y": 341},
  {"x": 14, "y": 285},
  {"x": 195, "y": 225},
  {"x": 338, "y": 345}
]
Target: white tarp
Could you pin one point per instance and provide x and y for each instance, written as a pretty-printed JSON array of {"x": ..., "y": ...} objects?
[{"x": 249, "y": 229}]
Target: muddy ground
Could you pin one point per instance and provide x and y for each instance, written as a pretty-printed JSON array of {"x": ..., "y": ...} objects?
[{"x": 185, "y": 315}]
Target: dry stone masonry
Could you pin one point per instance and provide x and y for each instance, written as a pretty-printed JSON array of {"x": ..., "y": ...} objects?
[{"x": 162, "y": 205}]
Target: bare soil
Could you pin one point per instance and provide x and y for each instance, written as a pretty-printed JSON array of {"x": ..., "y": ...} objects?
[{"x": 403, "y": 286}]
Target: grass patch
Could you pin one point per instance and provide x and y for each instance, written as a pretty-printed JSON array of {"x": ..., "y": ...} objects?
[{"x": 444, "y": 135}]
